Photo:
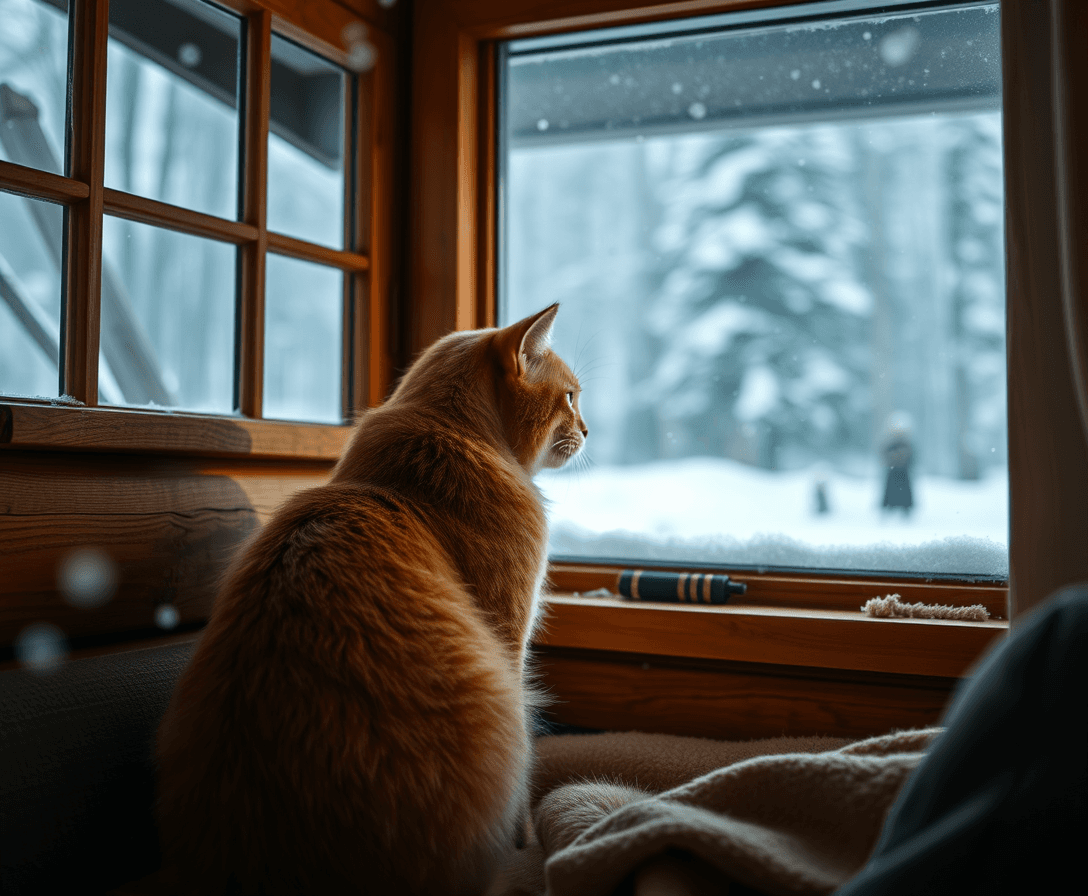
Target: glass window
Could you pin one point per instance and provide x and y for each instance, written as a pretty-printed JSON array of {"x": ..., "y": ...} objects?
[
  {"x": 303, "y": 335},
  {"x": 306, "y": 145},
  {"x": 33, "y": 82},
  {"x": 31, "y": 237},
  {"x": 172, "y": 130},
  {"x": 173, "y": 133},
  {"x": 777, "y": 240},
  {"x": 167, "y": 319}
]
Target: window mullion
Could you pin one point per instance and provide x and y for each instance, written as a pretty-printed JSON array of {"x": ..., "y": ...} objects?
[
  {"x": 375, "y": 174},
  {"x": 352, "y": 212},
  {"x": 81, "y": 320},
  {"x": 257, "y": 100}
]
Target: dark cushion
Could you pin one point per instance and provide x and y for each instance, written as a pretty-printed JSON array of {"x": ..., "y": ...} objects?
[
  {"x": 76, "y": 770},
  {"x": 1000, "y": 803}
]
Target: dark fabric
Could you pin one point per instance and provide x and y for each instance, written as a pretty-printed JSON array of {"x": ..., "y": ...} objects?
[
  {"x": 999, "y": 804},
  {"x": 76, "y": 773},
  {"x": 897, "y": 491},
  {"x": 897, "y": 457}
]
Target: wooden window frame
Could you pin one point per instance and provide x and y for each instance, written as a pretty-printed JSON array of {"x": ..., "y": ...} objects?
[
  {"x": 366, "y": 261},
  {"x": 610, "y": 663},
  {"x": 168, "y": 496}
]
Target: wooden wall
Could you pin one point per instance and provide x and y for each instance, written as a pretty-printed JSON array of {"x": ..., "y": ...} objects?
[
  {"x": 168, "y": 525},
  {"x": 731, "y": 701}
]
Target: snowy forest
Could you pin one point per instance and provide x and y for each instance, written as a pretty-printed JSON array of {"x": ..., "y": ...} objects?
[
  {"x": 754, "y": 313},
  {"x": 776, "y": 296}
]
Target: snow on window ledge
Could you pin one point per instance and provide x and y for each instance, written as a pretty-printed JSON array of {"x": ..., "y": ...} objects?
[{"x": 965, "y": 555}]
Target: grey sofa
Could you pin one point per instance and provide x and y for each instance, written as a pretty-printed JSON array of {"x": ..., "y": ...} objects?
[{"x": 76, "y": 770}]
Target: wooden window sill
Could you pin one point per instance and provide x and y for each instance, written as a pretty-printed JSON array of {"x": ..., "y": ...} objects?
[
  {"x": 809, "y": 589},
  {"x": 781, "y": 636},
  {"x": 743, "y": 671},
  {"x": 53, "y": 427}
]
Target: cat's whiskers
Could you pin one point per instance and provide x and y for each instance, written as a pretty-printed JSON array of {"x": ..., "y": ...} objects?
[
  {"x": 580, "y": 348},
  {"x": 588, "y": 374},
  {"x": 568, "y": 446},
  {"x": 583, "y": 462}
]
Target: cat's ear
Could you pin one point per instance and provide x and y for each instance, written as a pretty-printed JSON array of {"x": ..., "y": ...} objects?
[{"x": 527, "y": 338}]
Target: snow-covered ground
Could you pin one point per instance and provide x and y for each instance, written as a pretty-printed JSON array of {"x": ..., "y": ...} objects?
[{"x": 721, "y": 511}]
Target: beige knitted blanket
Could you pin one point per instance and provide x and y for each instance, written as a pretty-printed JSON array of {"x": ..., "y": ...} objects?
[{"x": 686, "y": 815}]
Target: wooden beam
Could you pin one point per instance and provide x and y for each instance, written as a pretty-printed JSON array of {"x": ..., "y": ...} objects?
[
  {"x": 256, "y": 106},
  {"x": 37, "y": 184},
  {"x": 295, "y": 248},
  {"x": 730, "y": 701},
  {"x": 1048, "y": 449},
  {"x": 437, "y": 242},
  {"x": 382, "y": 170},
  {"x": 41, "y": 426},
  {"x": 160, "y": 214},
  {"x": 81, "y": 321},
  {"x": 487, "y": 186},
  {"x": 809, "y": 590},
  {"x": 505, "y": 19},
  {"x": 828, "y": 639}
]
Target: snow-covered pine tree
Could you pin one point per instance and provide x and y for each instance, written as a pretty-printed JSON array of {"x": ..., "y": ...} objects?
[
  {"x": 762, "y": 316},
  {"x": 976, "y": 236}
]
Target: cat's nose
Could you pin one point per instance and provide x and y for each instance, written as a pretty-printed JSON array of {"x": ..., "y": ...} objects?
[{"x": 585, "y": 431}]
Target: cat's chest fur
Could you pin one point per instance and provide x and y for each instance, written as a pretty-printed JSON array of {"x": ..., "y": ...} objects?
[{"x": 482, "y": 508}]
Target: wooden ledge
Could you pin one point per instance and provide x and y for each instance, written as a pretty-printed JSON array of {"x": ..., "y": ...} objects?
[
  {"x": 811, "y": 589},
  {"x": 66, "y": 428},
  {"x": 37, "y": 184},
  {"x": 786, "y": 636}
]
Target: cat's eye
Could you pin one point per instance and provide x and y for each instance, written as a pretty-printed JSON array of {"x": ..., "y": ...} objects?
[{"x": 570, "y": 399}]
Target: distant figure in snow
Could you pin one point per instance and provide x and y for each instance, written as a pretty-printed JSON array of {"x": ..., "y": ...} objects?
[
  {"x": 897, "y": 453},
  {"x": 821, "y": 503}
]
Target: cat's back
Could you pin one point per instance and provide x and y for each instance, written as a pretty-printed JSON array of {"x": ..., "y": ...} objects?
[
  {"x": 348, "y": 716},
  {"x": 354, "y": 717}
]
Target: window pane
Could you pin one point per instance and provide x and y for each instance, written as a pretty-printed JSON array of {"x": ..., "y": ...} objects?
[
  {"x": 167, "y": 319},
  {"x": 31, "y": 234},
  {"x": 303, "y": 335},
  {"x": 779, "y": 250},
  {"x": 172, "y": 103},
  {"x": 306, "y": 145},
  {"x": 33, "y": 82}
]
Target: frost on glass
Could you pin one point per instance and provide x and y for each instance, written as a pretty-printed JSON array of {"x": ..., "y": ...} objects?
[
  {"x": 31, "y": 235},
  {"x": 306, "y": 145},
  {"x": 304, "y": 314},
  {"x": 787, "y": 313},
  {"x": 167, "y": 319},
  {"x": 171, "y": 103},
  {"x": 33, "y": 83}
]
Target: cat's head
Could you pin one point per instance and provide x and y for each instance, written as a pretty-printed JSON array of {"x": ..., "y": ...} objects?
[
  {"x": 537, "y": 394},
  {"x": 506, "y": 386}
]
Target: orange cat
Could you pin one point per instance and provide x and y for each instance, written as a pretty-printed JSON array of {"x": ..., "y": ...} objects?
[{"x": 354, "y": 718}]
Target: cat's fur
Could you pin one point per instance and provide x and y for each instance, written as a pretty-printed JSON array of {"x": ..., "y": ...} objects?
[{"x": 354, "y": 718}]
